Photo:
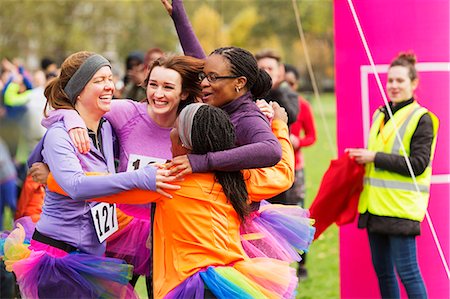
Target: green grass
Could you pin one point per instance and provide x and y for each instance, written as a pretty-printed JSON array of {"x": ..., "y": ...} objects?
[{"x": 323, "y": 258}]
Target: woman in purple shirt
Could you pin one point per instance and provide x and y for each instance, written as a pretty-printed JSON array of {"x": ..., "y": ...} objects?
[{"x": 67, "y": 246}]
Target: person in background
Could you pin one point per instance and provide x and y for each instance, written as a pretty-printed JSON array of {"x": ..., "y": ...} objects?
[
  {"x": 270, "y": 61},
  {"x": 392, "y": 205},
  {"x": 8, "y": 176},
  {"x": 302, "y": 134},
  {"x": 134, "y": 77},
  {"x": 8, "y": 198},
  {"x": 31, "y": 199},
  {"x": 49, "y": 67},
  {"x": 16, "y": 96},
  {"x": 151, "y": 55}
]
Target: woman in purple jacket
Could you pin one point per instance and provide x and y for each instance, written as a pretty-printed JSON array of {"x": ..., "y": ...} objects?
[{"x": 65, "y": 257}]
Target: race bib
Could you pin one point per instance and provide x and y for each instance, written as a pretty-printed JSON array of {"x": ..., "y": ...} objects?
[
  {"x": 104, "y": 216},
  {"x": 138, "y": 161}
]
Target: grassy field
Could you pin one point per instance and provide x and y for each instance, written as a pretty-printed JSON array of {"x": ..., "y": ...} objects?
[{"x": 323, "y": 258}]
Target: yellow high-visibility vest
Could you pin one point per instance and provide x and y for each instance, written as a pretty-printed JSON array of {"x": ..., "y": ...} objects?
[{"x": 387, "y": 193}]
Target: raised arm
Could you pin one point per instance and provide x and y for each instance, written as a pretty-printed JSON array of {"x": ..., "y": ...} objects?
[{"x": 188, "y": 40}]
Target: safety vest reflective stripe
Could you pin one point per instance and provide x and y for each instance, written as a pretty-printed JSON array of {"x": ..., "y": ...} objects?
[
  {"x": 395, "y": 185},
  {"x": 402, "y": 131}
]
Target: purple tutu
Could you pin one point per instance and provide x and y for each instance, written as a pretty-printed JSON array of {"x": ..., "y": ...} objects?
[
  {"x": 48, "y": 272},
  {"x": 277, "y": 231}
]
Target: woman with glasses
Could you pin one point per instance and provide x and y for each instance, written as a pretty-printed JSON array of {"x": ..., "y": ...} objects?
[{"x": 230, "y": 80}]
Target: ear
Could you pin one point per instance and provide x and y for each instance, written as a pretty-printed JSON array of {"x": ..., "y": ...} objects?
[
  {"x": 282, "y": 72},
  {"x": 241, "y": 82},
  {"x": 184, "y": 95},
  {"x": 415, "y": 83}
]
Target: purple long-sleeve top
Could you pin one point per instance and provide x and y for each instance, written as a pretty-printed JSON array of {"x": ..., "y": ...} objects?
[
  {"x": 68, "y": 218},
  {"x": 257, "y": 146}
]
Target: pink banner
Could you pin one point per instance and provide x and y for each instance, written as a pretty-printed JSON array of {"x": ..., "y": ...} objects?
[{"x": 390, "y": 27}]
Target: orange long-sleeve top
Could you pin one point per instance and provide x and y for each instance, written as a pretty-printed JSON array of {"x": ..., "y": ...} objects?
[{"x": 199, "y": 227}]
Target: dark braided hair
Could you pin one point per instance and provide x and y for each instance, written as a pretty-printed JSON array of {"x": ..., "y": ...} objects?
[
  {"x": 243, "y": 63},
  {"x": 212, "y": 131}
]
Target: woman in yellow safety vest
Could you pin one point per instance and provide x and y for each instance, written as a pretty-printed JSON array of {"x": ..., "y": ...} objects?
[{"x": 392, "y": 205}]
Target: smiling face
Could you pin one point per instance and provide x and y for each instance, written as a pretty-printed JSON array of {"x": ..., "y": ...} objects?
[
  {"x": 222, "y": 91},
  {"x": 96, "y": 96},
  {"x": 399, "y": 86},
  {"x": 164, "y": 92}
]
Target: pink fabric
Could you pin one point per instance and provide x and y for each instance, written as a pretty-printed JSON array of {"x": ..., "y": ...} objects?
[{"x": 50, "y": 250}]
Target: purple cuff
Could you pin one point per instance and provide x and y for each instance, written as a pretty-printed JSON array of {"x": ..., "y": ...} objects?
[{"x": 199, "y": 163}]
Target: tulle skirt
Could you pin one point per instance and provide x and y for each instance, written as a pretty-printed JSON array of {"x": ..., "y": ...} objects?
[
  {"x": 254, "y": 278},
  {"x": 28, "y": 226},
  {"x": 133, "y": 242},
  {"x": 43, "y": 271},
  {"x": 277, "y": 231}
]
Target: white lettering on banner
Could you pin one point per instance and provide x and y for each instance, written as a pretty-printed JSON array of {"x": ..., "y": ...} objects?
[
  {"x": 104, "y": 216},
  {"x": 138, "y": 161}
]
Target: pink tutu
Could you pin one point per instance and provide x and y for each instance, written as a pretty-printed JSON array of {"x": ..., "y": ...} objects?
[
  {"x": 132, "y": 244},
  {"x": 277, "y": 231},
  {"x": 48, "y": 272}
]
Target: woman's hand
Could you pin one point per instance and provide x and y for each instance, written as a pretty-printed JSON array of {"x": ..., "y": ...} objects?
[
  {"x": 80, "y": 139},
  {"x": 265, "y": 108},
  {"x": 163, "y": 181},
  {"x": 39, "y": 172},
  {"x": 179, "y": 166},
  {"x": 279, "y": 112},
  {"x": 295, "y": 141},
  {"x": 168, "y": 5},
  {"x": 361, "y": 155}
]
